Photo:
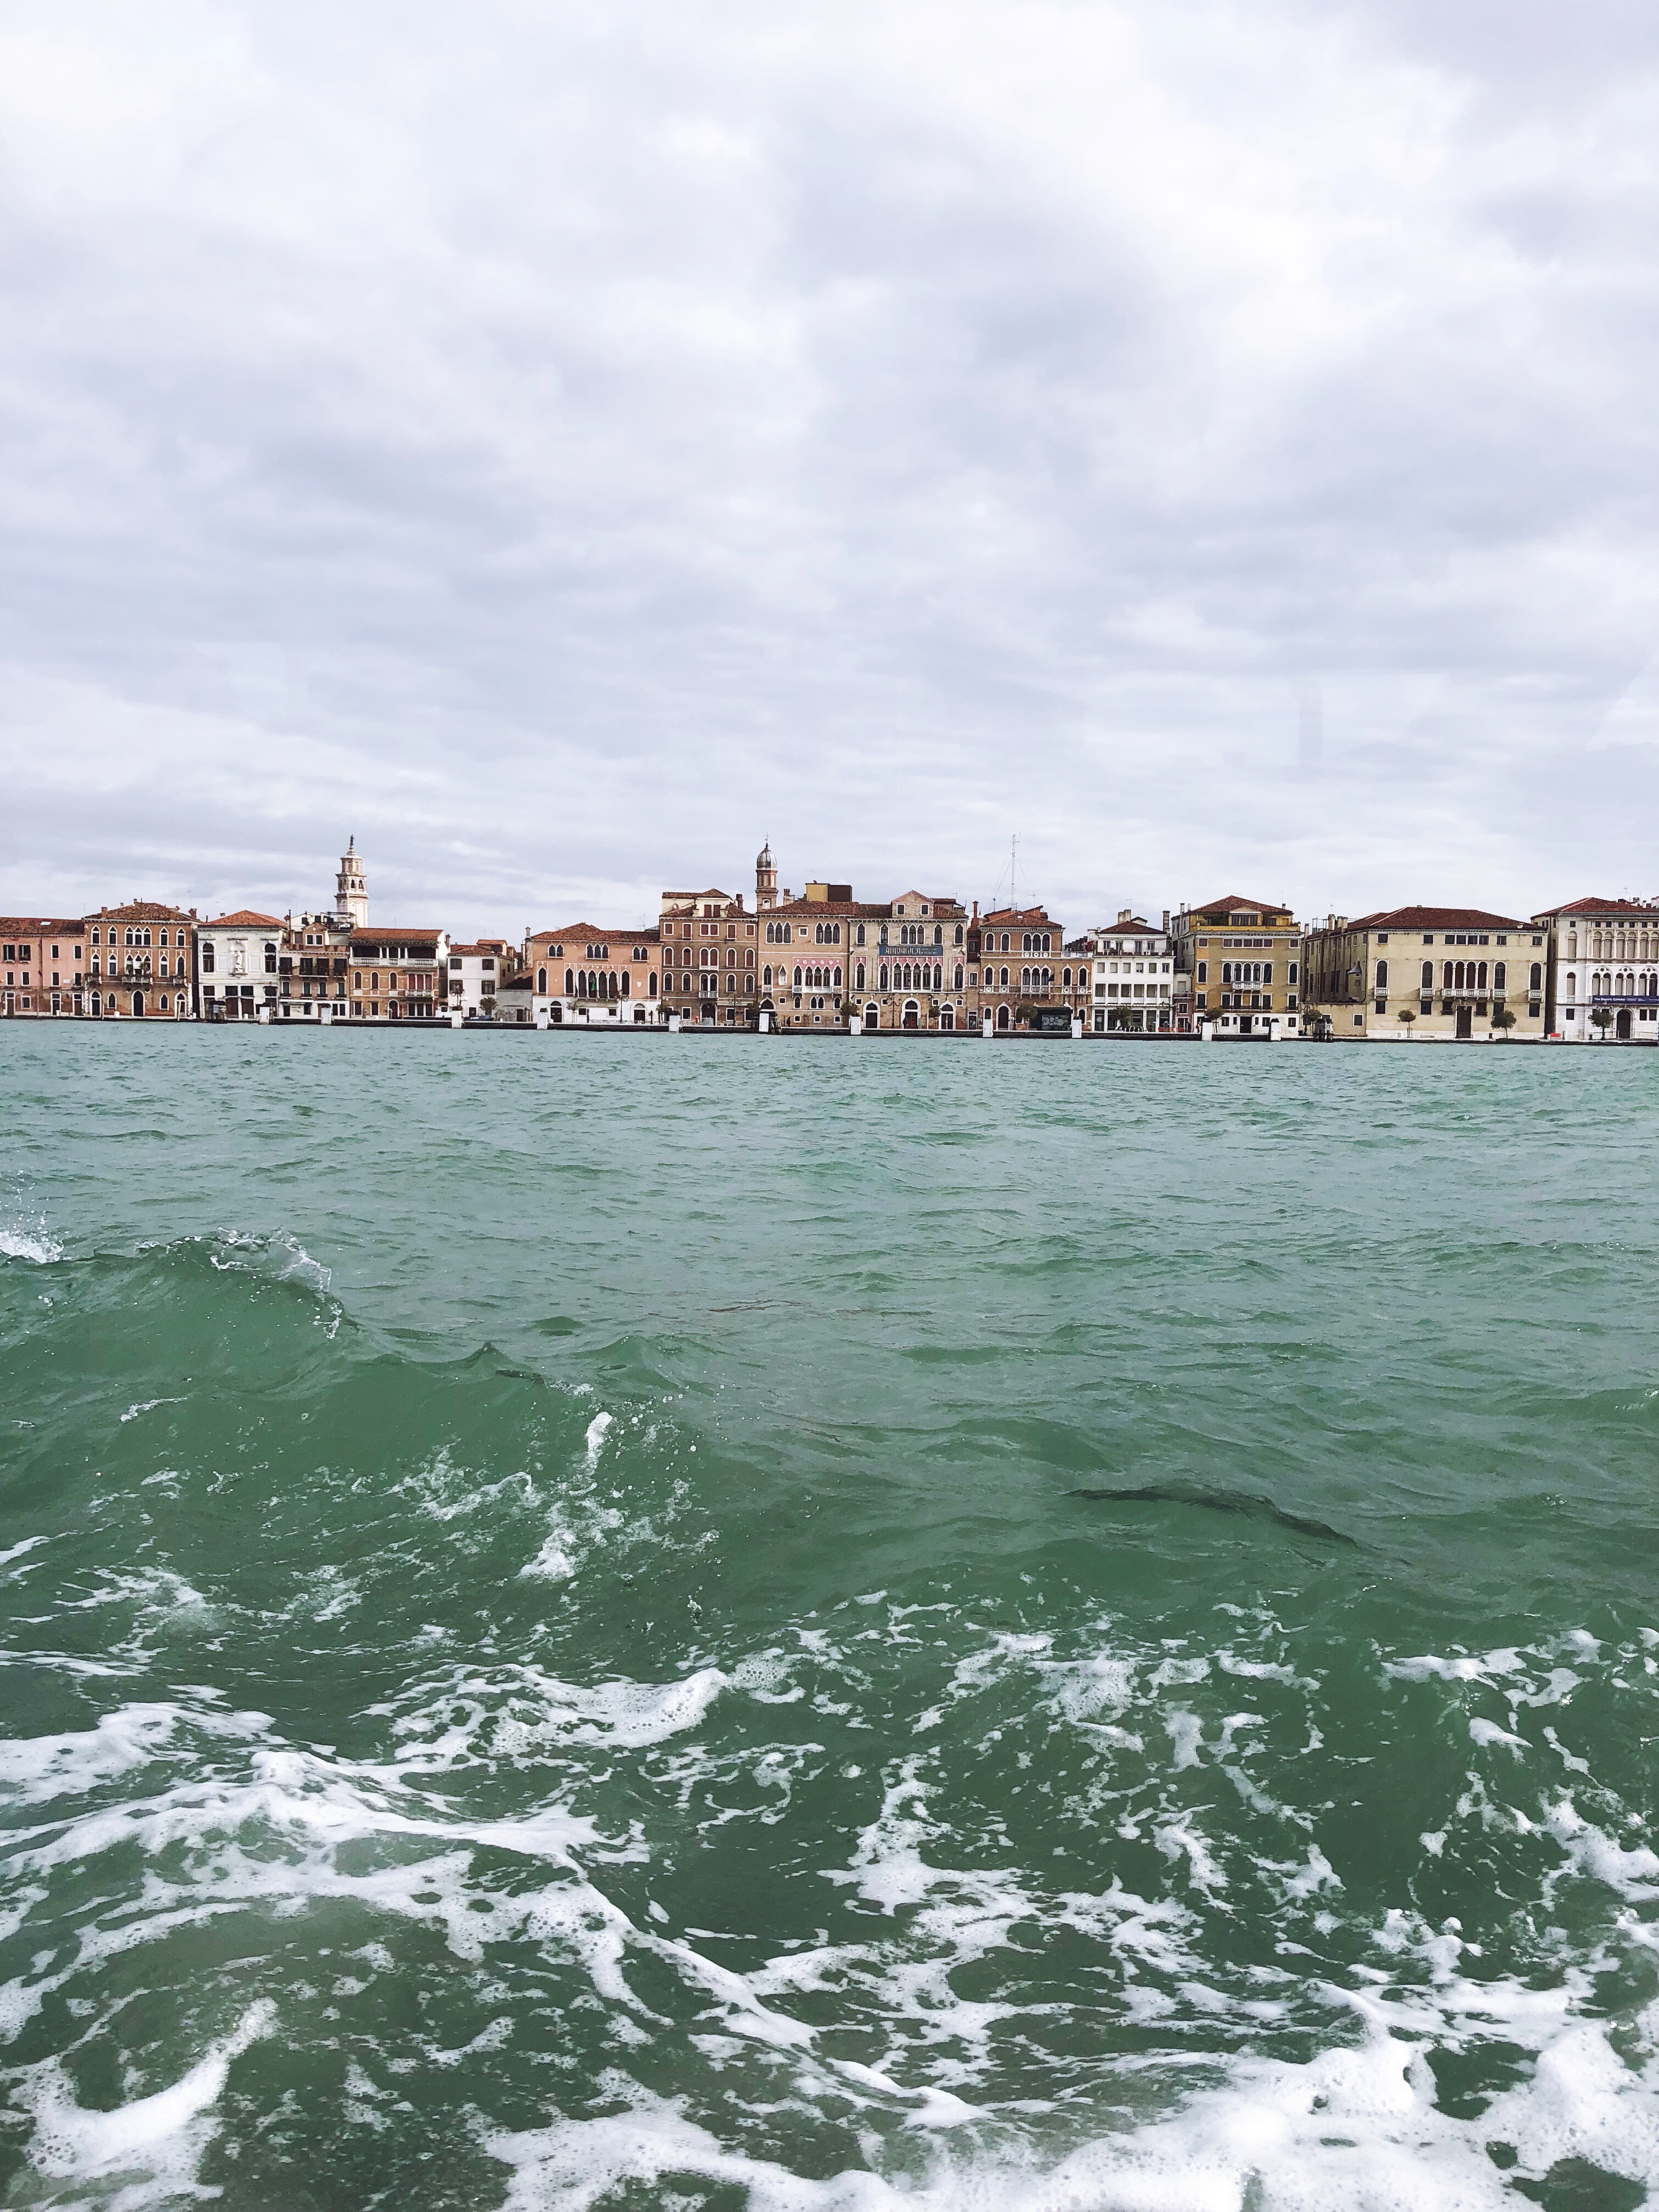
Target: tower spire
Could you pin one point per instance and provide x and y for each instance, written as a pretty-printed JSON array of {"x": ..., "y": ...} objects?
[{"x": 351, "y": 888}]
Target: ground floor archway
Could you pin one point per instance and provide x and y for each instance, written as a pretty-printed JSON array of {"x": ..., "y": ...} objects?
[
  {"x": 1622, "y": 1026},
  {"x": 1005, "y": 1020},
  {"x": 138, "y": 1006}
]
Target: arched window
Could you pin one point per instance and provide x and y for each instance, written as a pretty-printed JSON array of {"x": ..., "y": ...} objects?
[
  {"x": 1535, "y": 976},
  {"x": 1445, "y": 975},
  {"x": 1427, "y": 983},
  {"x": 1500, "y": 975},
  {"x": 1382, "y": 974},
  {"x": 858, "y": 939},
  {"x": 1481, "y": 979},
  {"x": 624, "y": 982},
  {"x": 857, "y": 977},
  {"x": 541, "y": 983},
  {"x": 958, "y": 935},
  {"x": 881, "y": 981},
  {"x": 569, "y": 984},
  {"x": 956, "y": 986},
  {"x": 938, "y": 934},
  {"x": 798, "y": 981}
]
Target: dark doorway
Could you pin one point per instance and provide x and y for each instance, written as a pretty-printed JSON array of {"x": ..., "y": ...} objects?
[
  {"x": 1465, "y": 1021},
  {"x": 1622, "y": 1026},
  {"x": 138, "y": 1006},
  {"x": 1246, "y": 1023}
]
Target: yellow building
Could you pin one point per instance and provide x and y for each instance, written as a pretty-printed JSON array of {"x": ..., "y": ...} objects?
[
  {"x": 1242, "y": 959},
  {"x": 1434, "y": 972}
]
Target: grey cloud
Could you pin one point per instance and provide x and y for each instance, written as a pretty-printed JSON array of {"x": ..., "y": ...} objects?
[{"x": 565, "y": 452}]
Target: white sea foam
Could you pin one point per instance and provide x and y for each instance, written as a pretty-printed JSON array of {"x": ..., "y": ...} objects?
[
  {"x": 152, "y": 2146},
  {"x": 148, "y": 1405},
  {"x": 280, "y": 1256},
  {"x": 36, "y": 1769},
  {"x": 18, "y": 1244},
  {"x": 1355, "y": 2129},
  {"x": 16, "y": 1551},
  {"x": 594, "y": 1440}
]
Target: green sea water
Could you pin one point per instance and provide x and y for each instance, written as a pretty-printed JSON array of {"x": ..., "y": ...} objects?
[{"x": 819, "y": 1625}]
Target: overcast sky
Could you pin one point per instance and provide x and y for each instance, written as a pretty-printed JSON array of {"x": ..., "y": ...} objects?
[{"x": 565, "y": 446}]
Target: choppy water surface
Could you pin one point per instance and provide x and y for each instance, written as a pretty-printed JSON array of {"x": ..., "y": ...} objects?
[{"x": 568, "y": 1641}]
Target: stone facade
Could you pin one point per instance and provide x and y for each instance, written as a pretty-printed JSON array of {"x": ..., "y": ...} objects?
[
  {"x": 1018, "y": 955},
  {"x": 1425, "y": 971},
  {"x": 237, "y": 957},
  {"x": 1602, "y": 975},
  {"x": 141, "y": 962},
  {"x": 588, "y": 973},
  {"x": 710, "y": 958}
]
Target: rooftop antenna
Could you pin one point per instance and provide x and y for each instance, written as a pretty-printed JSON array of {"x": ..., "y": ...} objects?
[{"x": 1014, "y": 884}]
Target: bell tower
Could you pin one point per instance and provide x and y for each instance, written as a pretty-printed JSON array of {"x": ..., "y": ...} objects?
[
  {"x": 766, "y": 879},
  {"x": 351, "y": 889}
]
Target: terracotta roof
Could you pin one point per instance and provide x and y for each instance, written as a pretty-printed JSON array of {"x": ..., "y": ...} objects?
[
  {"x": 1233, "y": 899},
  {"x": 804, "y": 909},
  {"x": 1647, "y": 909},
  {"x": 1026, "y": 917},
  {"x": 1435, "y": 917},
  {"x": 19, "y": 925},
  {"x": 395, "y": 929},
  {"x": 601, "y": 933},
  {"x": 142, "y": 910},
  {"x": 1132, "y": 928},
  {"x": 244, "y": 918}
]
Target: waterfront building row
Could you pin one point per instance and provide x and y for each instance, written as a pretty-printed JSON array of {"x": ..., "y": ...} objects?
[{"x": 1234, "y": 967}]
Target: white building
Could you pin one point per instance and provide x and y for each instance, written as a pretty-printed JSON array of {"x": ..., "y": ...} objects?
[
  {"x": 1603, "y": 960},
  {"x": 237, "y": 958},
  {"x": 476, "y": 971},
  {"x": 351, "y": 889},
  {"x": 1134, "y": 967}
]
